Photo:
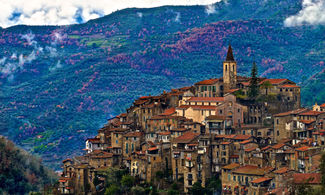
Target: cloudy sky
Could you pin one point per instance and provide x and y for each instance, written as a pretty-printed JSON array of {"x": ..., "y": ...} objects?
[{"x": 59, "y": 12}]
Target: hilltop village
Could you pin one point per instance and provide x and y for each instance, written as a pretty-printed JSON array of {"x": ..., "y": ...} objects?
[{"x": 260, "y": 144}]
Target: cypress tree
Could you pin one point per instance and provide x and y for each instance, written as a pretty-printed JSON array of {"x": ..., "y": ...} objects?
[{"x": 253, "y": 85}]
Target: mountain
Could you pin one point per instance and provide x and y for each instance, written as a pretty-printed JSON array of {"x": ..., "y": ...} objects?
[
  {"x": 314, "y": 85},
  {"x": 20, "y": 172},
  {"x": 59, "y": 84}
]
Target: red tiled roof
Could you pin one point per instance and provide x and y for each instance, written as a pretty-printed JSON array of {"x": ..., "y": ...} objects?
[
  {"x": 231, "y": 166},
  {"x": 242, "y": 137},
  {"x": 289, "y": 86},
  {"x": 250, "y": 149},
  {"x": 250, "y": 170},
  {"x": 266, "y": 147},
  {"x": 311, "y": 113},
  {"x": 310, "y": 178},
  {"x": 164, "y": 133},
  {"x": 231, "y": 136},
  {"x": 134, "y": 134},
  {"x": 66, "y": 160},
  {"x": 206, "y": 99},
  {"x": 93, "y": 140},
  {"x": 186, "y": 137},
  {"x": 297, "y": 111},
  {"x": 152, "y": 149},
  {"x": 261, "y": 179},
  {"x": 232, "y": 90},
  {"x": 194, "y": 144},
  {"x": 245, "y": 83},
  {"x": 302, "y": 149},
  {"x": 169, "y": 111},
  {"x": 274, "y": 81},
  {"x": 207, "y": 82},
  {"x": 197, "y": 107},
  {"x": 278, "y": 146},
  {"x": 281, "y": 170},
  {"x": 225, "y": 143},
  {"x": 245, "y": 141},
  {"x": 322, "y": 105},
  {"x": 220, "y": 136},
  {"x": 215, "y": 117},
  {"x": 307, "y": 121}
]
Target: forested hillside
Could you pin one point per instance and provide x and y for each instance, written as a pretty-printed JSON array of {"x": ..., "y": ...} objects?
[{"x": 20, "y": 172}]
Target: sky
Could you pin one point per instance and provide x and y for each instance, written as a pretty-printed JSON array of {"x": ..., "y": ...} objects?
[{"x": 62, "y": 12}]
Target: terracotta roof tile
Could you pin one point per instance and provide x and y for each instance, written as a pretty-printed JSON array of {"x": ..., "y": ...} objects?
[
  {"x": 225, "y": 143},
  {"x": 186, "y": 137},
  {"x": 281, "y": 170},
  {"x": 310, "y": 178},
  {"x": 289, "y": 86},
  {"x": 206, "y": 99},
  {"x": 197, "y": 107},
  {"x": 208, "y": 82},
  {"x": 274, "y": 81},
  {"x": 311, "y": 113},
  {"x": 242, "y": 137},
  {"x": 322, "y": 105},
  {"x": 215, "y": 117},
  {"x": 302, "y": 149},
  {"x": 231, "y": 166},
  {"x": 250, "y": 170},
  {"x": 245, "y": 141},
  {"x": 307, "y": 121},
  {"x": 169, "y": 111},
  {"x": 134, "y": 134},
  {"x": 297, "y": 111},
  {"x": 250, "y": 149},
  {"x": 278, "y": 146},
  {"x": 152, "y": 149},
  {"x": 261, "y": 179}
]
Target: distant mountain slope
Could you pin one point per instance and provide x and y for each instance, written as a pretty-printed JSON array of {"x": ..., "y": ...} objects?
[
  {"x": 59, "y": 84},
  {"x": 21, "y": 172},
  {"x": 314, "y": 85}
]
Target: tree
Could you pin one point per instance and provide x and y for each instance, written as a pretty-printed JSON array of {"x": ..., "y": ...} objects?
[
  {"x": 322, "y": 169},
  {"x": 127, "y": 181},
  {"x": 137, "y": 190},
  {"x": 197, "y": 188},
  {"x": 112, "y": 190},
  {"x": 253, "y": 85},
  {"x": 266, "y": 85}
]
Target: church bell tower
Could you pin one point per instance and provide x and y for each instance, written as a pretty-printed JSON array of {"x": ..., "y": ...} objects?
[{"x": 229, "y": 71}]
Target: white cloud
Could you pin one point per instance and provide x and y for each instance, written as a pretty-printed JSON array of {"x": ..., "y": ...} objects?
[
  {"x": 210, "y": 9},
  {"x": 178, "y": 17},
  {"x": 312, "y": 13},
  {"x": 61, "y": 12}
]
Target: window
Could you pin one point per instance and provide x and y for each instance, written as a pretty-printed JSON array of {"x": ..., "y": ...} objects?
[
  {"x": 238, "y": 110},
  {"x": 116, "y": 135},
  {"x": 226, "y": 68},
  {"x": 127, "y": 138},
  {"x": 189, "y": 182},
  {"x": 220, "y": 111},
  {"x": 277, "y": 121},
  {"x": 126, "y": 148},
  {"x": 223, "y": 147},
  {"x": 234, "y": 178},
  {"x": 116, "y": 141},
  {"x": 277, "y": 133}
]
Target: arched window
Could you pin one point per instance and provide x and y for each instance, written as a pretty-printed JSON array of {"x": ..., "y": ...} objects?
[{"x": 226, "y": 67}]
